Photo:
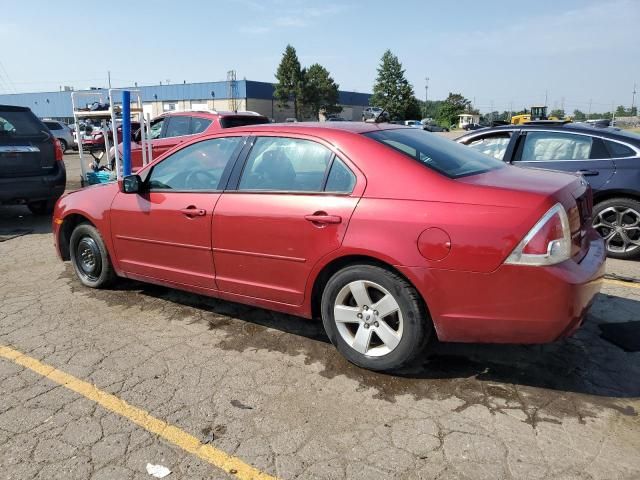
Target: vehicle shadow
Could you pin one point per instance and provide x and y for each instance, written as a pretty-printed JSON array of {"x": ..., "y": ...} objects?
[
  {"x": 584, "y": 364},
  {"x": 17, "y": 220}
]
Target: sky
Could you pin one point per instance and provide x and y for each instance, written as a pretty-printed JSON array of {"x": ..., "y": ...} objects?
[{"x": 574, "y": 53}]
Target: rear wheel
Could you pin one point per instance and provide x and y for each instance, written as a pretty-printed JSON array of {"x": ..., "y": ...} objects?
[
  {"x": 90, "y": 258},
  {"x": 618, "y": 221},
  {"x": 375, "y": 318},
  {"x": 63, "y": 145}
]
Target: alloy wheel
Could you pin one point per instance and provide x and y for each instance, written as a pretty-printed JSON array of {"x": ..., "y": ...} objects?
[
  {"x": 620, "y": 228},
  {"x": 368, "y": 318}
]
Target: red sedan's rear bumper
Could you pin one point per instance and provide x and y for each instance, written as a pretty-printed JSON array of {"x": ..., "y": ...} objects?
[{"x": 514, "y": 304}]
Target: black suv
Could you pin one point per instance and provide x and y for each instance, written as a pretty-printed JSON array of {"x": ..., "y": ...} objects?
[
  {"x": 31, "y": 161},
  {"x": 608, "y": 158}
]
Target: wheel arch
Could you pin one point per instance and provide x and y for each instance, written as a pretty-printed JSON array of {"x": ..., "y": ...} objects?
[
  {"x": 338, "y": 264},
  {"x": 605, "y": 195},
  {"x": 69, "y": 223}
]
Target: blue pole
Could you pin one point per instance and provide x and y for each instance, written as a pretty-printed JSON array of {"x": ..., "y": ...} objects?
[{"x": 126, "y": 133}]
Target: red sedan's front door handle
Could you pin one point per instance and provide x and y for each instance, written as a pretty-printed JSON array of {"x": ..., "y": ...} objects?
[
  {"x": 192, "y": 211},
  {"x": 322, "y": 218}
]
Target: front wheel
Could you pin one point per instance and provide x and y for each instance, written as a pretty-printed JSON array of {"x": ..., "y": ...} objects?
[
  {"x": 63, "y": 145},
  {"x": 90, "y": 258},
  {"x": 375, "y": 318},
  {"x": 618, "y": 221}
]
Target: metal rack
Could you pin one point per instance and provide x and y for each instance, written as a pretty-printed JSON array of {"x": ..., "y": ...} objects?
[{"x": 112, "y": 114}]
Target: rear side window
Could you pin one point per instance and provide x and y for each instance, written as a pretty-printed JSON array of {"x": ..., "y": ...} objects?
[
  {"x": 618, "y": 150},
  {"x": 240, "y": 120},
  {"x": 494, "y": 146},
  {"x": 550, "y": 146},
  {"x": 199, "y": 125},
  {"x": 285, "y": 164},
  {"x": 178, "y": 126},
  {"x": 18, "y": 124},
  {"x": 340, "y": 179},
  {"x": 53, "y": 125},
  {"x": 444, "y": 156}
]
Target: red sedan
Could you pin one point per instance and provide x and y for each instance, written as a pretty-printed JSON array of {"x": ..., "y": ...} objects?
[{"x": 391, "y": 235}]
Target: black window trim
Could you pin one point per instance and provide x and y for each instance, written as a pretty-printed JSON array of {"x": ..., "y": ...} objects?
[
  {"x": 233, "y": 183},
  {"x": 224, "y": 179}
]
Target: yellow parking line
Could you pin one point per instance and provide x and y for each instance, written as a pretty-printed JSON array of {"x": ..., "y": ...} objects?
[
  {"x": 170, "y": 433},
  {"x": 622, "y": 283}
]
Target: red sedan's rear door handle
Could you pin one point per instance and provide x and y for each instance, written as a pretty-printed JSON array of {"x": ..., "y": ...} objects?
[
  {"x": 322, "y": 218},
  {"x": 192, "y": 211}
]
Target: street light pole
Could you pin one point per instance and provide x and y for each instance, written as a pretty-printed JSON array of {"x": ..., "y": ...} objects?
[{"x": 426, "y": 95}]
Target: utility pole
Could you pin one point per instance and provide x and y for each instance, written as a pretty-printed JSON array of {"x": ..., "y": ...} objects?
[
  {"x": 109, "y": 77},
  {"x": 426, "y": 95},
  {"x": 510, "y": 110},
  {"x": 546, "y": 95},
  {"x": 589, "y": 115},
  {"x": 633, "y": 98}
]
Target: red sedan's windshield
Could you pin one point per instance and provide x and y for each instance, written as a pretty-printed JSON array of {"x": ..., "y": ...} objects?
[{"x": 442, "y": 155}]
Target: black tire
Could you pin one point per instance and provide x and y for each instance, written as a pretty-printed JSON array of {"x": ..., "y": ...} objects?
[
  {"x": 90, "y": 258},
  {"x": 417, "y": 328},
  {"x": 63, "y": 145},
  {"x": 43, "y": 207},
  {"x": 616, "y": 245}
]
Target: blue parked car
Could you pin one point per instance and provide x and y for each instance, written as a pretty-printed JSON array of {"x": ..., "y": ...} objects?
[{"x": 608, "y": 158}]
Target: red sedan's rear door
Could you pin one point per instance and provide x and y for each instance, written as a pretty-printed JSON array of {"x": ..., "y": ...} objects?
[{"x": 292, "y": 206}]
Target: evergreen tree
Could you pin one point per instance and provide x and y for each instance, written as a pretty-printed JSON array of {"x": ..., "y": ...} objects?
[
  {"x": 290, "y": 78},
  {"x": 451, "y": 107},
  {"x": 392, "y": 91},
  {"x": 320, "y": 92}
]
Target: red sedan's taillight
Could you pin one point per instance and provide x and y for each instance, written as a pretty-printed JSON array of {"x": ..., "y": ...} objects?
[
  {"x": 548, "y": 242},
  {"x": 58, "y": 149}
]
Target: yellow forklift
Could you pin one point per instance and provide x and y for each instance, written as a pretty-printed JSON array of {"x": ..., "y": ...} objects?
[{"x": 536, "y": 113}]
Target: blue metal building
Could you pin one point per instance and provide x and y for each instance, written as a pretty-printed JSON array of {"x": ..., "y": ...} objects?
[{"x": 256, "y": 96}]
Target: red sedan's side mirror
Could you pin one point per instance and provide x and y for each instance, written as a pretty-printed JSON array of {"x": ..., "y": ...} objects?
[{"x": 131, "y": 184}]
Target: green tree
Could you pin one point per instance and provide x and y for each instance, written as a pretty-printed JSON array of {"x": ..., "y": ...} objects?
[
  {"x": 320, "y": 92},
  {"x": 290, "y": 76},
  {"x": 558, "y": 112},
  {"x": 579, "y": 116},
  {"x": 621, "y": 111},
  {"x": 392, "y": 91},
  {"x": 451, "y": 107}
]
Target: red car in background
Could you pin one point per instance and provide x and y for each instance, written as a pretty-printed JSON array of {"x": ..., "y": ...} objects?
[
  {"x": 391, "y": 235},
  {"x": 173, "y": 128}
]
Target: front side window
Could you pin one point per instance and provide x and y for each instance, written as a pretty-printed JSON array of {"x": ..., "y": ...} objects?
[
  {"x": 178, "y": 126},
  {"x": 494, "y": 146},
  {"x": 550, "y": 146},
  {"x": 440, "y": 154},
  {"x": 285, "y": 164},
  {"x": 197, "y": 167},
  {"x": 156, "y": 129}
]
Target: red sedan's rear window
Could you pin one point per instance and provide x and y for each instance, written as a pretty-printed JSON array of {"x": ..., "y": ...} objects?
[
  {"x": 241, "y": 121},
  {"x": 439, "y": 154}
]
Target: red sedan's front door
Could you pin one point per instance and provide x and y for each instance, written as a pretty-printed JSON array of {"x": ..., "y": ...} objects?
[
  {"x": 164, "y": 231},
  {"x": 268, "y": 235},
  {"x": 166, "y": 236}
]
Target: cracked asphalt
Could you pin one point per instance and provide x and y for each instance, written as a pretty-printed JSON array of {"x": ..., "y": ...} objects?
[{"x": 269, "y": 388}]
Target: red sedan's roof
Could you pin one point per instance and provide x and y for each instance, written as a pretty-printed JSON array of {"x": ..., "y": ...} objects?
[{"x": 320, "y": 129}]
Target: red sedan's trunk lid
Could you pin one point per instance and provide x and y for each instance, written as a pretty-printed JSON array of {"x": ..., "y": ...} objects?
[{"x": 572, "y": 191}]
